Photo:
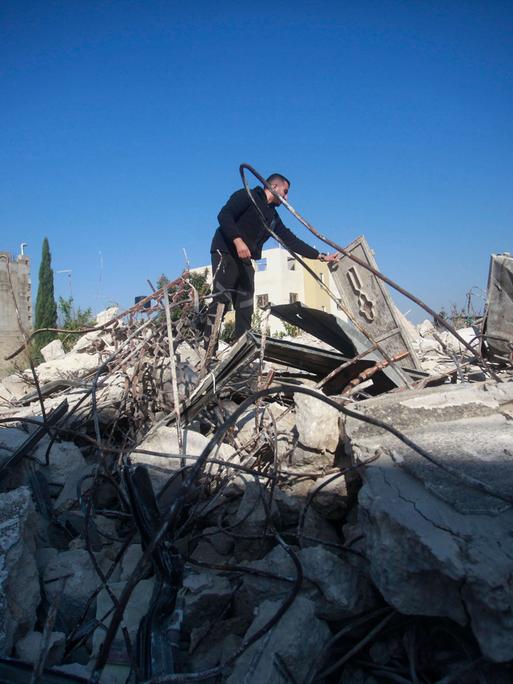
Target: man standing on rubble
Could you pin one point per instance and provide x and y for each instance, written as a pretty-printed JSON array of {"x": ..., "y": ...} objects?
[{"x": 238, "y": 240}]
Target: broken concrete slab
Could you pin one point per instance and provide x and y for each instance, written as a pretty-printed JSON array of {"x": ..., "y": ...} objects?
[
  {"x": 10, "y": 440},
  {"x": 339, "y": 586},
  {"x": 43, "y": 556},
  {"x": 333, "y": 499},
  {"x": 311, "y": 459},
  {"x": 188, "y": 355},
  {"x": 220, "y": 540},
  {"x": 90, "y": 341},
  {"x": 211, "y": 646},
  {"x": 84, "y": 671},
  {"x": 317, "y": 423},
  {"x": 29, "y": 647},
  {"x": 318, "y": 530},
  {"x": 296, "y": 639},
  {"x": 53, "y": 351},
  {"x": 426, "y": 328},
  {"x": 134, "y": 396},
  {"x": 213, "y": 546},
  {"x": 64, "y": 458},
  {"x": 290, "y": 501},
  {"x": 73, "y": 574},
  {"x": 73, "y": 365},
  {"x": 186, "y": 379},
  {"x": 19, "y": 578},
  {"x": 164, "y": 440},
  {"x": 106, "y": 315},
  {"x": 253, "y": 512},
  {"x": 435, "y": 546},
  {"x": 68, "y": 496},
  {"x": 466, "y": 426},
  {"x": 13, "y": 388},
  {"x": 136, "y": 609},
  {"x": 206, "y": 595},
  {"x": 129, "y": 561},
  {"x": 453, "y": 345}
]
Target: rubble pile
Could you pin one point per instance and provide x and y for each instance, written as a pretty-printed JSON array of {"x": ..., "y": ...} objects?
[{"x": 271, "y": 526}]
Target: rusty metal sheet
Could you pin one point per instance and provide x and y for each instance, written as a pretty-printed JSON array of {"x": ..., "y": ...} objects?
[{"x": 368, "y": 300}]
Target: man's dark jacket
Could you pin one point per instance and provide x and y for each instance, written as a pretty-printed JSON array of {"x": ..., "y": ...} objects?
[{"x": 240, "y": 219}]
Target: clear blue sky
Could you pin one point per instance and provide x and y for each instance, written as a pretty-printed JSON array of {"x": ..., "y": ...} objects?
[{"x": 122, "y": 125}]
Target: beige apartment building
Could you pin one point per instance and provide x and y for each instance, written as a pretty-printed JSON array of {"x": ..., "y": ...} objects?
[{"x": 280, "y": 279}]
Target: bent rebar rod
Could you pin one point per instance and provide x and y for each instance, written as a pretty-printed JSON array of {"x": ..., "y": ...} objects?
[
  {"x": 375, "y": 344},
  {"x": 441, "y": 321}
]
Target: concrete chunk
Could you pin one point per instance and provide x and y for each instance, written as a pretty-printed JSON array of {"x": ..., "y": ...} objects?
[
  {"x": 437, "y": 547},
  {"x": 29, "y": 647},
  {"x": 19, "y": 579},
  {"x": 53, "y": 351},
  {"x": 81, "y": 580},
  {"x": 317, "y": 423},
  {"x": 136, "y": 609},
  {"x": 297, "y": 639},
  {"x": 165, "y": 441}
]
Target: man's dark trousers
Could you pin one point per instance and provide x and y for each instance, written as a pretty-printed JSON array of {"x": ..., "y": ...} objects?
[{"x": 234, "y": 283}]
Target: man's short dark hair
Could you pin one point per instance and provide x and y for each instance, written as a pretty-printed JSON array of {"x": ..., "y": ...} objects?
[{"x": 278, "y": 177}]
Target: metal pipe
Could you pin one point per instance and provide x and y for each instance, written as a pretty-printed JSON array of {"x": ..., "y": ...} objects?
[{"x": 441, "y": 321}]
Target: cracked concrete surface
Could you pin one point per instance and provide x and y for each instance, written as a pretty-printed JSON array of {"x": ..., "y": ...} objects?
[{"x": 437, "y": 547}]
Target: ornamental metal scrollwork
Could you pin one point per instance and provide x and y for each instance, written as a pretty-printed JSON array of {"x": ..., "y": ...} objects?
[{"x": 366, "y": 305}]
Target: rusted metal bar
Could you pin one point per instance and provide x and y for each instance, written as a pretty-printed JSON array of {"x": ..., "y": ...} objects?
[
  {"x": 216, "y": 329},
  {"x": 345, "y": 365},
  {"x": 439, "y": 319},
  {"x": 307, "y": 268},
  {"x": 369, "y": 372},
  {"x": 172, "y": 361}
]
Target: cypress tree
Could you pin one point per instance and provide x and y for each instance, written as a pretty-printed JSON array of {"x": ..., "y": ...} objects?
[{"x": 46, "y": 308}]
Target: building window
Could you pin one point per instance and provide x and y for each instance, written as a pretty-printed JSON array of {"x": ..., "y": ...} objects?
[
  {"x": 262, "y": 300},
  {"x": 261, "y": 265},
  {"x": 291, "y": 263},
  {"x": 293, "y": 297}
]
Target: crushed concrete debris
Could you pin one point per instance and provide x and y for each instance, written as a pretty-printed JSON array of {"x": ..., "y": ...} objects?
[
  {"x": 53, "y": 351},
  {"x": 436, "y": 545},
  {"x": 19, "y": 579},
  {"x": 269, "y": 527}
]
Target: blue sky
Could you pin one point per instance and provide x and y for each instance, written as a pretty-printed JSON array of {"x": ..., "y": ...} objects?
[{"x": 123, "y": 124}]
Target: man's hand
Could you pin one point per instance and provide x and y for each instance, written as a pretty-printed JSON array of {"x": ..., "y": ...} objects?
[
  {"x": 242, "y": 249},
  {"x": 330, "y": 258}
]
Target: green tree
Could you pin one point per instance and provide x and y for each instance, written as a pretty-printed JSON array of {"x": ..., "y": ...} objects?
[
  {"x": 73, "y": 320},
  {"x": 46, "y": 309}
]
